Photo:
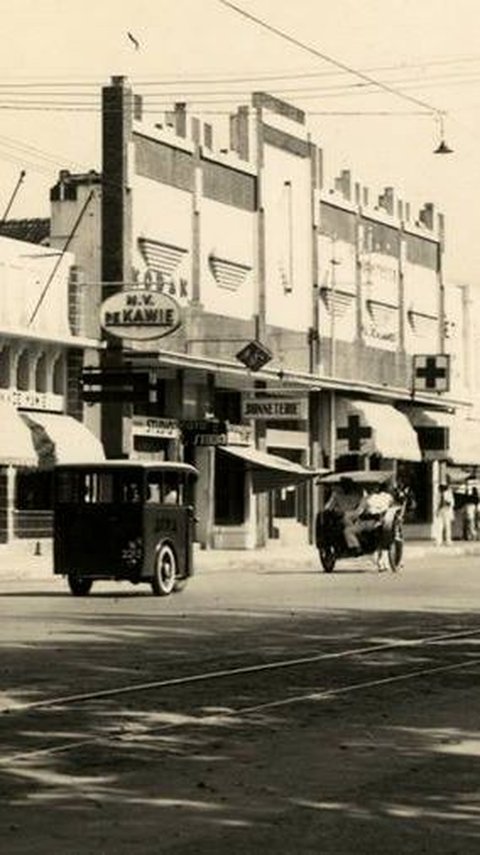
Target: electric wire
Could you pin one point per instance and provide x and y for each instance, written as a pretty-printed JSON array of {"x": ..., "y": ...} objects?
[{"x": 326, "y": 57}]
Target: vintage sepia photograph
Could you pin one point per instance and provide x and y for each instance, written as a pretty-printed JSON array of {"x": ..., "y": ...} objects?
[{"x": 239, "y": 427}]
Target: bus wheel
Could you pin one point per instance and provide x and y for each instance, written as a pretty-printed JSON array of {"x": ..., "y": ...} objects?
[
  {"x": 79, "y": 586},
  {"x": 165, "y": 571}
]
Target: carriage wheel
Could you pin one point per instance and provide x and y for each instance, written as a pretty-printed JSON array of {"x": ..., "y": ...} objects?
[
  {"x": 165, "y": 571},
  {"x": 395, "y": 548},
  {"x": 180, "y": 585},
  {"x": 327, "y": 556},
  {"x": 78, "y": 585}
]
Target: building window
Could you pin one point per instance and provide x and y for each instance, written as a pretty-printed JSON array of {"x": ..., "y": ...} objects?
[
  {"x": 23, "y": 371},
  {"x": 5, "y": 362},
  {"x": 41, "y": 374},
  {"x": 228, "y": 405},
  {"x": 59, "y": 376},
  {"x": 34, "y": 491},
  {"x": 229, "y": 490}
]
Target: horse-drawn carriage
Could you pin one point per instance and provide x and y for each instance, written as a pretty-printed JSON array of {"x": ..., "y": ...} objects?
[{"x": 382, "y": 535}]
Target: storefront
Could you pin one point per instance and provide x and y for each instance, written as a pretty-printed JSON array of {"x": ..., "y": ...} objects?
[
  {"x": 448, "y": 441},
  {"x": 32, "y": 442},
  {"x": 244, "y": 477},
  {"x": 371, "y": 435}
]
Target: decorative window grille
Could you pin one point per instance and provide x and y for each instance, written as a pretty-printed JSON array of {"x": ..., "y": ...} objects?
[
  {"x": 228, "y": 274},
  {"x": 161, "y": 257}
]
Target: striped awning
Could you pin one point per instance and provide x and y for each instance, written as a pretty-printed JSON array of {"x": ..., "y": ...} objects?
[
  {"x": 16, "y": 443},
  {"x": 365, "y": 427},
  {"x": 58, "y": 438},
  {"x": 269, "y": 471},
  {"x": 444, "y": 436}
]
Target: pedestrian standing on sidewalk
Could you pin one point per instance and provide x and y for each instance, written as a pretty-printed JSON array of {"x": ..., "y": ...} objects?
[
  {"x": 444, "y": 517},
  {"x": 470, "y": 514}
]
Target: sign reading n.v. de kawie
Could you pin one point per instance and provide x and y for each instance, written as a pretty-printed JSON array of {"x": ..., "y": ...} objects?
[
  {"x": 140, "y": 314},
  {"x": 274, "y": 408}
]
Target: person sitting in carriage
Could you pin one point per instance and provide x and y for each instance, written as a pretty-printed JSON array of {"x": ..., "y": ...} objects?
[
  {"x": 359, "y": 511},
  {"x": 346, "y": 504}
]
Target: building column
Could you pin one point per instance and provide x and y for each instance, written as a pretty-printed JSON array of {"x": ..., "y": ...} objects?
[
  {"x": 10, "y": 503},
  {"x": 314, "y": 460},
  {"x": 117, "y": 118}
]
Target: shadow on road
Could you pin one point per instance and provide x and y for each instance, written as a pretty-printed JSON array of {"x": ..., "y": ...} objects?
[{"x": 337, "y": 754}]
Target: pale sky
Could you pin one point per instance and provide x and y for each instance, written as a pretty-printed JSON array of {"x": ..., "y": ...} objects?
[{"x": 426, "y": 48}]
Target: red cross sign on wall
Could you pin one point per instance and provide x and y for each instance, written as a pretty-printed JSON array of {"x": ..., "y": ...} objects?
[
  {"x": 431, "y": 373},
  {"x": 354, "y": 433}
]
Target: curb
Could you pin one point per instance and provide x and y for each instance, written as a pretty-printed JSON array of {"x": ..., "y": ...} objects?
[{"x": 23, "y": 566}]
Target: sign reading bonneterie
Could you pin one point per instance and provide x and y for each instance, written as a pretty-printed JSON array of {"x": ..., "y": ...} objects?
[
  {"x": 140, "y": 314},
  {"x": 277, "y": 409}
]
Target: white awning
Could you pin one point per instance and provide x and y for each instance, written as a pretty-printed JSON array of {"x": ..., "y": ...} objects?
[
  {"x": 16, "y": 444},
  {"x": 62, "y": 439},
  {"x": 447, "y": 437},
  {"x": 269, "y": 471},
  {"x": 364, "y": 427}
]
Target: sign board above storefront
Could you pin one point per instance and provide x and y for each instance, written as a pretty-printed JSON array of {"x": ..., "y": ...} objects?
[
  {"x": 122, "y": 385},
  {"x": 140, "y": 314},
  {"x": 30, "y": 400},
  {"x": 204, "y": 432},
  {"x": 276, "y": 409},
  {"x": 152, "y": 426}
]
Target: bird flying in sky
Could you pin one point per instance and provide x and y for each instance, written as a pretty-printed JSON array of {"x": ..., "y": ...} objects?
[{"x": 134, "y": 41}]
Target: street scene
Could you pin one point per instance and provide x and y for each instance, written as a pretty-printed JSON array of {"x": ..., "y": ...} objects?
[
  {"x": 268, "y": 707},
  {"x": 239, "y": 427}
]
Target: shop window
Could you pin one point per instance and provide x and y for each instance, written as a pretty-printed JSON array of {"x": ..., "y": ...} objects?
[
  {"x": 34, "y": 491},
  {"x": 228, "y": 405},
  {"x": 59, "y": 376},
  {"x": 417, "y": 478},
  {"x": 41, "y": 374},
  {"x": 23, "y": 371},
  {"x": 151, "y": 445},
  {"x": 5, "y": 362},
  {"x": 229, "y": 490}
]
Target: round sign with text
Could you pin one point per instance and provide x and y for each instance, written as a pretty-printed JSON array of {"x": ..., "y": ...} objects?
[{"x": 140, "y": 314}]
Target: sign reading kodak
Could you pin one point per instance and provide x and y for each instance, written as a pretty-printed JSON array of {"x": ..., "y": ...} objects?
[{"x": 140, "y": 314}]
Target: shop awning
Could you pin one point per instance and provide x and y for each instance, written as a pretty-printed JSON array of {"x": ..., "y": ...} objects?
[
  {"x": 61, "y": 439},
  {"x": 269, "y": 471},
  {"x": 364, "y": 427},
  {"x": 16, "y": 444},
  {"x": 444, "y": 436}
]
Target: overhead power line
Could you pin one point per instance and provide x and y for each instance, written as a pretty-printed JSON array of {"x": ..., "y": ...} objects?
[{"x": 326, "y": 57}]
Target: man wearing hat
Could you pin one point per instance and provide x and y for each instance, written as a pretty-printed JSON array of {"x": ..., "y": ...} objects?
[{"x": 445, "y": 512}]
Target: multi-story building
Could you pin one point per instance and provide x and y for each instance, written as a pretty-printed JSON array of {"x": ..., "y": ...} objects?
[
  {"x": 42, "y": 348},
  {"x": 343, "y": 288}
]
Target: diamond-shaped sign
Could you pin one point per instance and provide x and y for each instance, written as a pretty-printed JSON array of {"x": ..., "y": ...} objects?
[{"x": 254, "y": 355}]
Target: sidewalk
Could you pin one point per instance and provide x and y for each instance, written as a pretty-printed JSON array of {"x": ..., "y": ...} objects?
[{"x": 33, "y": 559}]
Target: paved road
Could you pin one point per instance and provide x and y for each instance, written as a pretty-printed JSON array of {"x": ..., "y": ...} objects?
[{"x": 274, "y": 709}]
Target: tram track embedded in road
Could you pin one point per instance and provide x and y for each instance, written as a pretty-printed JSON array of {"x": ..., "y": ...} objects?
[
  {"x": 116, "y": 739},
  {"x": 226, "y": 673}
]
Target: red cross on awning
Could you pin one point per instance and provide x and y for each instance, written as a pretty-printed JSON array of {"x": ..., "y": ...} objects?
[{"x": 354, "y": 433}]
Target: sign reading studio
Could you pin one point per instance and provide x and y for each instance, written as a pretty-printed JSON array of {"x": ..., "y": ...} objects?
[{"x": 140, "y": 314}]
